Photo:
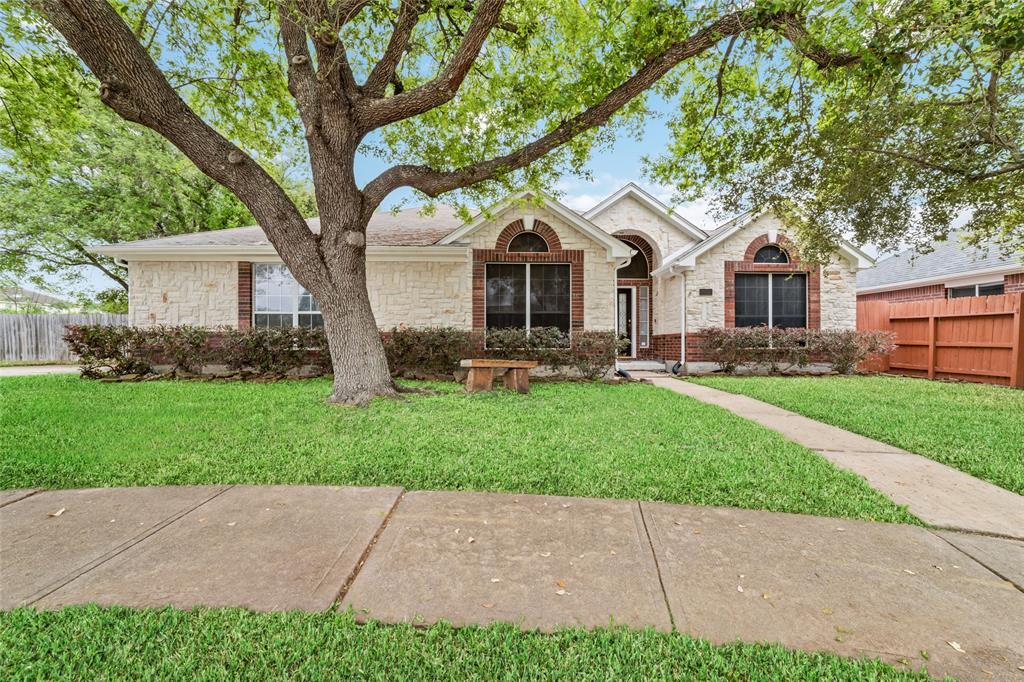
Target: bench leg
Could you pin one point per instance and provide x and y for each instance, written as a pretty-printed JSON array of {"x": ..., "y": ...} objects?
[
  {"x": 479, "y": 379},
  {"x": 518, "y": 380}
]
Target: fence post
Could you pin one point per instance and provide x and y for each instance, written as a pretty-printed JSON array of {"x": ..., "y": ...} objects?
[
  {"x": 1017, "y": 361},
  {"x": 933, "y": 321}
]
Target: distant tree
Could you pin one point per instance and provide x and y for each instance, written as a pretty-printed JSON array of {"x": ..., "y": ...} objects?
[{"x": 88, "y": 177}]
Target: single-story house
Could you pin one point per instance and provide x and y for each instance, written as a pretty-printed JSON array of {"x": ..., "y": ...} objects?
[
  {"x": 629, "y": 264},
  {"x": 952, "y": 269}
]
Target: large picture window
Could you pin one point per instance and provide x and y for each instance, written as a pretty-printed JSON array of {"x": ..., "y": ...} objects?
[
  {"x": 771, "y": 299},
  {"x": 526, "y": 295},
  {"x": 280, "y": 301}
]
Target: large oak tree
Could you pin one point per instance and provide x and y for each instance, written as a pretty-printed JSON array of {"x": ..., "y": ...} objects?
[{"x": 475, "y": 96}]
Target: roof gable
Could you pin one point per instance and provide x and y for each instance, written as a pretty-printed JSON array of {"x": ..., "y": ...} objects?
[
  {"x": 614, "y": 248},
  {"x": 633, "y": 191},
  {"x": 687, "y": 258}
]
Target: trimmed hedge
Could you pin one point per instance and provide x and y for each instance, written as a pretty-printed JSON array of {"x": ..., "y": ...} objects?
[
  {"x": 432, "y": 352},
  {"x": 785, "y": 349}
]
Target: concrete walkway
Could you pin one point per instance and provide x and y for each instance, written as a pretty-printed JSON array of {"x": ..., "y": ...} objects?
[
  {"x": 908, "y": 595},
  {"x": 935, "y": 493},
  {"x": 34, "y": 370}
]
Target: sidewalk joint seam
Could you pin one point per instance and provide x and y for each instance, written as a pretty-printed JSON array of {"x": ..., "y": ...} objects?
[
  {"x": 657, "y": 566},
  {"x": 347, "y": 585},
  {"x": 15, "y": 501},
  {"x": 120, "y": 549},
  {"x": 1020, "y": 588}
]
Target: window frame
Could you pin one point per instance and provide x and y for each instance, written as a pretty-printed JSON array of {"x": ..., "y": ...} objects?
[
  {"x": 976, "y": 289},
  {"x": 295, "y": 312},
  {"x": 509, "y": 249},
  {"x": 771, "y": 294},
  {"x": 526, "y": 283},
  {"x": 785, "y": 255}
]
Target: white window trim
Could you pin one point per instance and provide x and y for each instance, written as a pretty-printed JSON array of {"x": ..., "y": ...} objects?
[
  {"x": 632, "y": 336},
  {"x": 771, "y": 303},
  {"x": 645, "y": 321},
  {"x": 977, "y": 287},
  {"x": 528, "y": 305},
  {"x": 294, "y": 313}
]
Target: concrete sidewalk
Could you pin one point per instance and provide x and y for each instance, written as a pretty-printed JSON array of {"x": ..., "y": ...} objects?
[
  {"x": 939, "y": 495},
  {"x": 34, "y": 370},
  {"x": 901, "y": 593}
]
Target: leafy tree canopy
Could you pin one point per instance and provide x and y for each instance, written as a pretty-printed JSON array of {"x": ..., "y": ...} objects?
[
  {"x": 75, "y": 174},
  {"x": 884, "y": 121}
]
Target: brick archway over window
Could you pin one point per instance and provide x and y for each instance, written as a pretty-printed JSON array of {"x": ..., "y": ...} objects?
[
  {"x": 517, "y": 227},
  {"x": 641, "y": 244},
  {"x": 554, "y": 254},
  {"x": 794, "y": 265}
]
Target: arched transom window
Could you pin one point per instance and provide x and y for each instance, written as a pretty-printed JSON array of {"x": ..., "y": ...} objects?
[
  {"x": 771, "y": 254},
  {"x": 527, "y": 242}
]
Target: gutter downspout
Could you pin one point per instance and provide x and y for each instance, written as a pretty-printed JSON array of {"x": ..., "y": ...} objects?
[{"x": 682, "y": 321}]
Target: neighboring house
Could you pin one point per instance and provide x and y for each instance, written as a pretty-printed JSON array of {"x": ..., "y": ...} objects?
[
  {"x": 951, "y": 270},
  {"x": 22, "y": 300},
  {"x": 628, "y": 264}
]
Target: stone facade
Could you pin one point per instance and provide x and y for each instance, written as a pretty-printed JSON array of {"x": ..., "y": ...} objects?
[
  {"x": 433, "y": 293},
  {"x": 631, "y": 217},
  {"x": 203, "y": 293},
  {"x": 419, "y": 294},
  {"x": 838, "y": 281}
]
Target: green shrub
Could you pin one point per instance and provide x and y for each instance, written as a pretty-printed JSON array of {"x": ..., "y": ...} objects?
[
  {"x": 428, "y": 351},
  {"x": 186, "y": 347},
  {"x": 105, "y": 350},
  {"x": 432, "y": 352},
  {"x": 770, "y": 349}
]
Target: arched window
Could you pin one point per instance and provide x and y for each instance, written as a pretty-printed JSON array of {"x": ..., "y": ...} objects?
[
  {"x": 770, "y": 254},
  {"x": 527, "y": 242},
  {"x": 637, "y": 268}
]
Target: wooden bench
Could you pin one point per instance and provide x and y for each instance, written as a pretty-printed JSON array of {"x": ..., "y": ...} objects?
[{"x": 481, "y": 374}]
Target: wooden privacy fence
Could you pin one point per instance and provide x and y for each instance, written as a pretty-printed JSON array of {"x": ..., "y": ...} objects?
[
  {"x": 973, "y": 339},
  {"x": 40, "y": 337}
]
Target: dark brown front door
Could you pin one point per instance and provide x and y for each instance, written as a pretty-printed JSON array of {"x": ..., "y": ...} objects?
[{"x": 624, "y": 310}]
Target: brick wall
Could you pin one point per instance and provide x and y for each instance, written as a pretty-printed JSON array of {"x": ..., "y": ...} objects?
[
  {"x": 906, "y": 295},
  {"x": 1013, "y": 284},
  {"x": 244, "y": 295}
]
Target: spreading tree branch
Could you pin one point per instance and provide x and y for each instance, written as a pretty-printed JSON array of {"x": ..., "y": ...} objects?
[
  {"x": 132, "y": 85},
  {"x": 373, "y": 113}
]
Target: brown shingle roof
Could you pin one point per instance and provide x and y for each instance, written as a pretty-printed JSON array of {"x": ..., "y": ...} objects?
[{"x": 404, "y": 228}]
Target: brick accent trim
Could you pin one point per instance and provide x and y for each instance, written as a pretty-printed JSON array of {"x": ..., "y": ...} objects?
[
  {"x": 793, "y": 266},
  {"x": 572, "y": 257},
  {"x": 640, "y": 243},
  {"x": 1013, "y": 284},
  {"x": 244, "y": 294},
  {"x": 539, "y": 227}
]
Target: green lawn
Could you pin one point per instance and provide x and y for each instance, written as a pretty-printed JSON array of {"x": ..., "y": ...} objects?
[
  {"x": 595, "y": 440},
  {"x": 118, "y": 643},
  {"x": 973, "y": 427}
]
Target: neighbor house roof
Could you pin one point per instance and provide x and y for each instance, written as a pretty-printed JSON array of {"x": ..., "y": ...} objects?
[
  {"x": 387, "y": 228},
  {"x": 949, "y": 259},
  {"x": 22, "y": 295}
]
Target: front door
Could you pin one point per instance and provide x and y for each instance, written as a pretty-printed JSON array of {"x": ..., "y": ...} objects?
[{"x": 625, "y": 313}]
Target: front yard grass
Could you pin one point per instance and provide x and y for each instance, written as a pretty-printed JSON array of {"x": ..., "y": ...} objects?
[
  {"x": 592, "y": 440},
  {"x": 976, "y": 428},
  {"x": 119, "y": 643}
]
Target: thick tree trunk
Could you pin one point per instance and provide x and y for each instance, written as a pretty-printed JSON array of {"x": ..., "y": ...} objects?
[
  {"x": 357, "y": 354},
  {"x": 338, "y": 283}
]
